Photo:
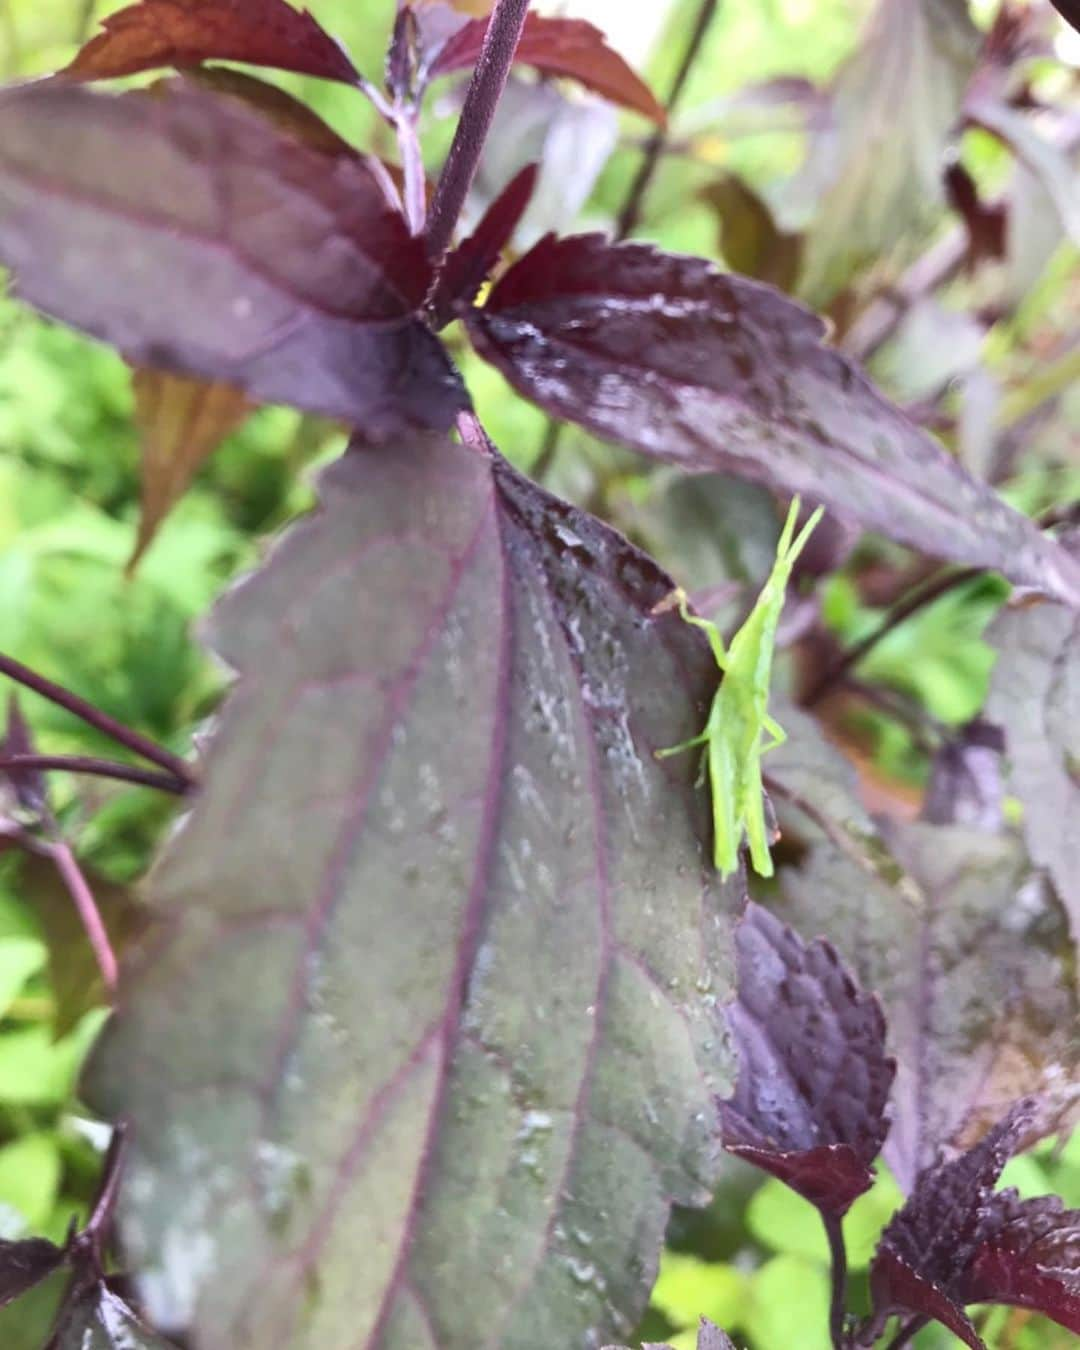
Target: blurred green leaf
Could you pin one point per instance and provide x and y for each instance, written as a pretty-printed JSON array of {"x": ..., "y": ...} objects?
[
  {"x": 36, "y": 1071},
  {"x": 689, "y": 1289},
  {"x": 20, "y": 958},
  {"x": 788, "y": 1306},
  {"x": 30, "y": 1170}
]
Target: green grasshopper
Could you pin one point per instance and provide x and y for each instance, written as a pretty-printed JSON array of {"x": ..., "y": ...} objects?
[{"x": 740, "y": 710}]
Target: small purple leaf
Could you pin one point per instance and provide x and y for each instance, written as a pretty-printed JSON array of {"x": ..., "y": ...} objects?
[
  {"x": 714, "y": 372},
  {"x": 469, "y": 265},
  {"x": 24, "y": 1264},
  {"x": 814, "y": 1079},
  {"x": 28, "y": 785},
  {"x": 1029, "y": 1258},
  {"x": 467, "y": 911},
  {"x": 99, "y": 1320},
  {"x": 709, "y": 1338},
  {"x": 967, "y": 785},
  {"x": 955, "y": 1242},
  {"x": 193, "y": 235}
]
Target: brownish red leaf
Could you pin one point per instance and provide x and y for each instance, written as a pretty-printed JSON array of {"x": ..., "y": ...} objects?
[
  {"x": 188, "y": 32},
  {"x": 570, "y": 48},
  {"x": 181, "y": 422}
]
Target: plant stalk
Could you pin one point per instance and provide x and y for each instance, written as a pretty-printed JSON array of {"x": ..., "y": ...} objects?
[
  {"x": 101, "y": 768},
  {"x": 924, "y": 595},
  {"x": 101, "y": 721},
  {"x": 907, "y": 1333},
  {"x": 485, "y": 90},
  {"x": 838, "y": 1304},
  {"x": 79, "y": 890},
  {"x": 631, "y": 212}
]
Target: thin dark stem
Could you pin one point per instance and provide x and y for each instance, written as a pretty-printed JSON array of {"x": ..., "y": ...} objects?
[
  {"x": 101, "y": 768},
  {"x": 838, "y": 1306},
  {"x": 83, "y": 897},
  {"x": 548, "y": 450},
  {"x": 485, "y": 90},
  {"x": 907, "y": 1333},
  {"x": 631, "y": 212},
  {"x": 109, "y": 726},
  {"x": 920, "y": 598}
]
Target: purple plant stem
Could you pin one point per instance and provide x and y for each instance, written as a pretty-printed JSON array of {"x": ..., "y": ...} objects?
[
  {"x": 102, "y": 768},
  {"x": 631, "y": 212},
  {"x": 64, "y": 698},
  {"x": 81, "y": 894},
  {"x": 907, "y": 1333},
  {"x": 838, "y": 1305},
  {"x": 412, "y": 166},
  {"x": 485, "y": 90}
]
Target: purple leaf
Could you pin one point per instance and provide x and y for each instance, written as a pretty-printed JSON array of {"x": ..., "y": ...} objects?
[
  {"x": 713, "y": 372},
  {"x": 809, "y": 1104},
  {"x": 929, "y": 1256},
  {"x": 966, "y": 781},
  {"x": 1035, "y": 697},
  {"x": 24, "y": 1264},
  {"x": 29, "y": 786},
  {"x": 469, "y": 265},
  {"x": 1029, "y": 1257},
  {"x": 969, "y": 956},
  {"x": 181, "y": 33},
  {"x": 99, "y": 1320},
  {"x": 437, "y": 882},
  {"x": 192, "y": 235}
]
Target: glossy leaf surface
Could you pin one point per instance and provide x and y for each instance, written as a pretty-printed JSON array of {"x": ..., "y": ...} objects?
[
  {"x": 1035, "y": 697},
  {"x": 1029, "y": 1257},
  {"x": 571, "y": 48},
  {"x": 24, "y": 1264},
  {"x": 713, "y": 372},
  {"x": 814, "y": 1078},
  {"x": 927, "y": 1250},
  {"x": 438, "y": 883},
  {"x": 99, "y": 1320},
  {"x": 189, "y": 233},
  {"x": 181, "y": 33}
]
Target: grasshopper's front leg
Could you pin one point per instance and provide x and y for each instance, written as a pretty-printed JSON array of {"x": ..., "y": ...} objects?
[{"x": 678, "y": 599}]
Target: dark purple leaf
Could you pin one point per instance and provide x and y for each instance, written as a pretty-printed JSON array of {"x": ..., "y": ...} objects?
[
  {"x": 469, "y": 265},
  {"x": 24, "y": 1264},
  {"x": 1029, "y": 1257},
  {"x": 713, "y": 372},
  {"x": 466, "y": 911},
  {"x": 1035, "y": 697},
  {"x": 1069, "y": 11},
  {"x": 809, "y": 1104},
  {"x": 970, "y": 957},
  {"x": 561, "y": 47},
  {"x": 402, "y": 57},
  {"x": 28, "y": 785},
  {"x": 193, "y": 236},
  {"x": 155, "y": 33},
  {"x": 99, "y": 1320},
  {"x": 925, "y": 1255},
  {"x": 967, "y": 784},
  {"x": 872, "y": 184}
]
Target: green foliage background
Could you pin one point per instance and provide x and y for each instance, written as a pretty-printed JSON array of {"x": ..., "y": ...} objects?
[{"x": 756, "y": 1262}]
